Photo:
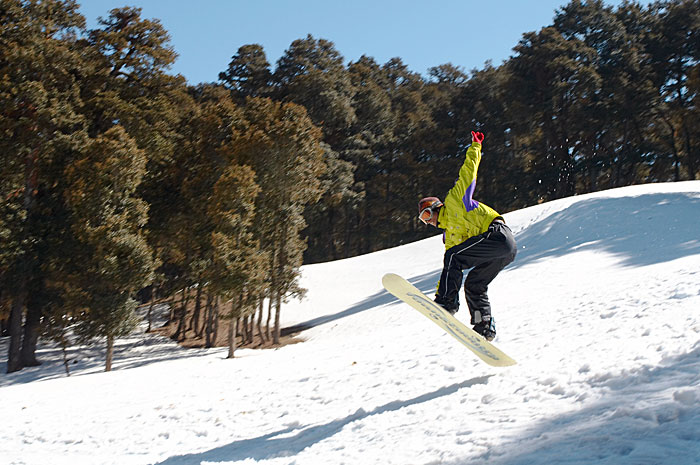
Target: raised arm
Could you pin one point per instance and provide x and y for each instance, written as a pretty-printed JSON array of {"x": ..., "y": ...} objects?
[{"x": 467, "y": 174}]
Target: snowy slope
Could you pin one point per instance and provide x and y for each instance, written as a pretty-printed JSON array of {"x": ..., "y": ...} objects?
[{"x": 601, "y": 310}]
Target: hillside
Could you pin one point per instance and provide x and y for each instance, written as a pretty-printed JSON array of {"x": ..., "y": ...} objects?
[{"x": 600, "y": 309}]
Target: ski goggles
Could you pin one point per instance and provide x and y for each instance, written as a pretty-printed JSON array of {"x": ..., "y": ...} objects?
[{"x": 426, "y": 214}]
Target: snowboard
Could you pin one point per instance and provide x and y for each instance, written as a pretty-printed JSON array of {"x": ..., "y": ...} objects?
[{"x": 464, "y": 334}]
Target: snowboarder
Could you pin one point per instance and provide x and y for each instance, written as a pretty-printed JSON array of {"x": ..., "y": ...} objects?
[{"x": 476, "y": 237}]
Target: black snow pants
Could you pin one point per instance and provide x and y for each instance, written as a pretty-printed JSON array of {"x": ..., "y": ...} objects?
[{"x": 487, "y": 254}]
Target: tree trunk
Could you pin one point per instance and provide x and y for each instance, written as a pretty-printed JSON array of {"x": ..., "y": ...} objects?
[
  {"x": 14, "y": 359},
  {"x": 171, "y": 316},
  {"x": 674, "y": 149},
  {"x": 208, "y": 311},
  {"x": 269, "y": 317},
  {"x": 149, "y": 315},
  {"x": 233, "y": 334},
  {"x": 181, "y": 327},
  {"x": 689, "y": 151},
  {"x": 154, "y": 293},
  {"x": 261, "y": 309},
  {"x": 64, "y": 350},
  {"x": 197, "y": 310},
  {"x": 110, "y": 353},
  {"x": 31, "y": 334},
  {"x": 204, "y": 316},
  {"x": 4, "y": 327},
  {"x": 278, "y": 309},
  {"x": 4, "y": 322},
  {"x": 14, "y": 356},
  {"x": 244, "y": 329},
  {"x": 331, "y": 234},
  {"x": 250, "y": 327},
  {"x": 210, "y": 333},
  {"x": 216, "y": 321},
  {"x": 347, "y": 236}
]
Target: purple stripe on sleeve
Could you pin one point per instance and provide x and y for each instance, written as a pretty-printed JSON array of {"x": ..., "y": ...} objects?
[{"x": 469, "y": 203}]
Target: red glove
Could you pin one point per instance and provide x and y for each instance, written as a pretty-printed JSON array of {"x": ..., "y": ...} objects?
[{"x": 477, "y": 137}]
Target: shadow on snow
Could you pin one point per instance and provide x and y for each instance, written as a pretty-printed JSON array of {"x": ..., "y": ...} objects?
[
  {"x": 646, "y": 416},
  {"x": 292, "y": 440},
  {"x": 129, "y": 353},
  {"x": 424, "y": 282}
]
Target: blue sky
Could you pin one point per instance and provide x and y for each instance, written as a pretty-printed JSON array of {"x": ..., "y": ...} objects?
[{"x": 423, "y": 34}]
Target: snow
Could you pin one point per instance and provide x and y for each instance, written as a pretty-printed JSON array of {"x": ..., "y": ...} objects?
[{"x": 600, "y": 309}]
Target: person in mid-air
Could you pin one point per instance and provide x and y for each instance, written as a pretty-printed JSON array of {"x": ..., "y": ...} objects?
[{"x": 476, "y": 237}]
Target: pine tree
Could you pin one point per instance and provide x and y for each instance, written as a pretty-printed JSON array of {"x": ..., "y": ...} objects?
[
  {"x": 372, "y": 133},
  {"x": 130, "y": 87},
  {"x": 393, "y": 188},
  {"x": 673, "y": 44},
  {"x": 552, "y": 84},
  {"x": 248, "y": 73},
  {"x": 282, "y": 146},
  {"x": 311, "y": 73},
  {"x": 40, "y": 127},
  {"x": 237, "y": 271},
  {"x": 617, "y": 114},
  {"x": 114, "y": 260}
]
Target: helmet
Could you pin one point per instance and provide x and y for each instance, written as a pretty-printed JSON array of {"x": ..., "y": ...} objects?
[{"x": 426, "y": 207}]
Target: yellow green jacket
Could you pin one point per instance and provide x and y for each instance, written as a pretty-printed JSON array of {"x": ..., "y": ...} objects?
[{"x": 463, "y": 217}]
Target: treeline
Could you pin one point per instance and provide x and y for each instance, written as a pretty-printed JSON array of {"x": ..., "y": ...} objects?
[
  {"x": 118, "y": 178},
  {"x": 604, "y": 97}
]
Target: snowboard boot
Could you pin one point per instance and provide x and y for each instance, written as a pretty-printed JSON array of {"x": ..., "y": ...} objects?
[
  {"x": 450, "y": 307},
  {"x": 486, "y": 328}
]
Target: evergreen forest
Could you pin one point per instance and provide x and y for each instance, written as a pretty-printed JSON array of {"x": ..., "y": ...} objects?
[{"x": 121, "y": 184}]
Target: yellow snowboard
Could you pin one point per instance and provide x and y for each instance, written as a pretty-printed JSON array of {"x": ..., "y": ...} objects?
[{"x": 467, "y": 336}]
